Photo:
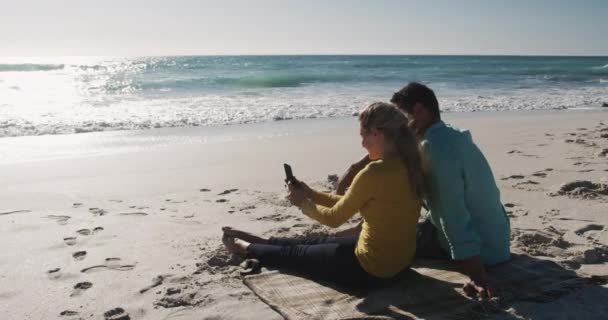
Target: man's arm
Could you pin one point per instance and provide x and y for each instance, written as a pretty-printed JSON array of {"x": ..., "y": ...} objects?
[{"x": 347, "y": 178}]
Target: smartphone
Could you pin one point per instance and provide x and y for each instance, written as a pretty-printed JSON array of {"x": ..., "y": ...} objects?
[{"x": 289, "y": 178}]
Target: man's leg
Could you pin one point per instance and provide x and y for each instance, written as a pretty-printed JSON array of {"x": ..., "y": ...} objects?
[{"x": 427, "y": 242}]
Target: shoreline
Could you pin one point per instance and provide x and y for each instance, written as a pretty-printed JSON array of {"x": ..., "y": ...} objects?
[
  {"x": 158, "y": 137},
  {"x": 101, "y": 126}
]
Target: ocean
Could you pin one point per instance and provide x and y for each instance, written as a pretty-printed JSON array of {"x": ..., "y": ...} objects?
[{"x": 64, "y": 95}]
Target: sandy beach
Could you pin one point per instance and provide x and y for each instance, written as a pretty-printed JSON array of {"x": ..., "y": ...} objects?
[{"x": 127, "y": 224}]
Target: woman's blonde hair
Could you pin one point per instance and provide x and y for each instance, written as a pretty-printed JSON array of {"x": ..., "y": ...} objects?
[{"x": 392, "y": 122}]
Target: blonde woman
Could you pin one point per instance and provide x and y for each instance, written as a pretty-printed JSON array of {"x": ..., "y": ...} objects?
[{"x": 387, "y": 195}]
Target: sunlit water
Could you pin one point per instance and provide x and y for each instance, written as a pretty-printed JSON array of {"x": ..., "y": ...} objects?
[{"x": 77, "y": 94}]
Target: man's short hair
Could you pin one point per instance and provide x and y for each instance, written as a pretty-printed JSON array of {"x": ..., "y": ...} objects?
[{"x": 414, "y": 93}]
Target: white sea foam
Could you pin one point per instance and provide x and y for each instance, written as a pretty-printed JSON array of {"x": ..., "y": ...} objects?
[{"x": 222, "y": 110}]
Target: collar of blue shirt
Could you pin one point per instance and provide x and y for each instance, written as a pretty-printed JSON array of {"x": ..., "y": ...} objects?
[{"x": 435, "y": 127}]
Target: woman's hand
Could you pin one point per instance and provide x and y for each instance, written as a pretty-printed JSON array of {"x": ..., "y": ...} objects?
[
  {"x": 305, "y": 188},
  {"x": 296, "y": 195}
]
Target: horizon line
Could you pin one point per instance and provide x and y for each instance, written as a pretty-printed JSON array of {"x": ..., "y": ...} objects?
[{"x": 321, "y": 54}]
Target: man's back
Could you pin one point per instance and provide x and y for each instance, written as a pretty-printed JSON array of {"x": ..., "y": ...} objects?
[{"x": 463, "y": 197}]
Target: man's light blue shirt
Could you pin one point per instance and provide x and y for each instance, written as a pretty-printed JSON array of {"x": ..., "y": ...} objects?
[{"x": 463, "y": 198}]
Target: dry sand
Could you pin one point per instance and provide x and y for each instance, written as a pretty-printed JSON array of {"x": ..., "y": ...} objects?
[{"x": 115, "y": 232}]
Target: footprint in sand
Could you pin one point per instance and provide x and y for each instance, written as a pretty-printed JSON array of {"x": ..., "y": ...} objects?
[
  {"x": 221, "y": 200},
  {"x": 53, "y": 273},
  {"x": 300, "y": 225},
  {"x": 98, "y": 212},
  {"x": 116, "y": 314},
  {"x": 509, "y": 213},
  {"x": 548, "y": 242},
  {"x": 133, "y": 214},
  {"x": 590, "y": 227},
  {"x": 77, "y": 205},
  {"x": 13, "y": 212},
  {"x": 61, "y": 220},
  {"x": 515, "y": 176},
  {"x": 225, "y": 192},
  {"x": 79, "y": 255},
  {"x": 70, "y": 241},
  {"x": 84, "y": 232},
  {"x": 80, "y": 287},
  {"x": 175, "y": 201},
  {"x": 540, "y": 174},
  {"x": 157, "y": 281},
  {"x": 68, "y": 313},
  {"x": 247, "y": 208},
  {"x": 581, "y": 189},
  {"x": 275, "y": 217},
  {"x": 111, "y": 264},
  {"x": 589, "y": 255},
  {"x": 521, "y": 185},
  {"x": 205, "y": 190},
  {"x": 102, "y": 267}
]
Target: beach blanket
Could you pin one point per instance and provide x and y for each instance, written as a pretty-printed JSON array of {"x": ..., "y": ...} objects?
[{"x": 429, "y": 290}]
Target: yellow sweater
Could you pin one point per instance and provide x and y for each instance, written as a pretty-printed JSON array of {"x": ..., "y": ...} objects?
[{"x": 382, "y": 194}]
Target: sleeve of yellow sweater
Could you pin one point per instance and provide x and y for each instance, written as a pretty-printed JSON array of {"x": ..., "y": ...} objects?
[
  {"x": 325, "y": 199},
  {"x": 362, "y": 190}
]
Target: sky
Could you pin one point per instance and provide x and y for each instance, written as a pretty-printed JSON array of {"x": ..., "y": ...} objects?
[{"x": 240, "y": 27}]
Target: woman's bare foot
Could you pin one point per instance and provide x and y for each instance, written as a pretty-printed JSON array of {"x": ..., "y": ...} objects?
[
  {"x": 235, "y": 233},
  {"x": 235, "y": 246}
]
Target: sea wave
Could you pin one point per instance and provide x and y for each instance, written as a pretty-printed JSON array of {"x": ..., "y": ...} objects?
[
  {"x": 602, "y": 67},
  {"x": 257, "y": 81},
  {"x": 280, "y": 80},
  {"x": 25, "y": 67}
]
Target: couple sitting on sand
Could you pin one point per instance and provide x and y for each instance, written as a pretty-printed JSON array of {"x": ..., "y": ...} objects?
[{"x": 413, "y": 157}]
